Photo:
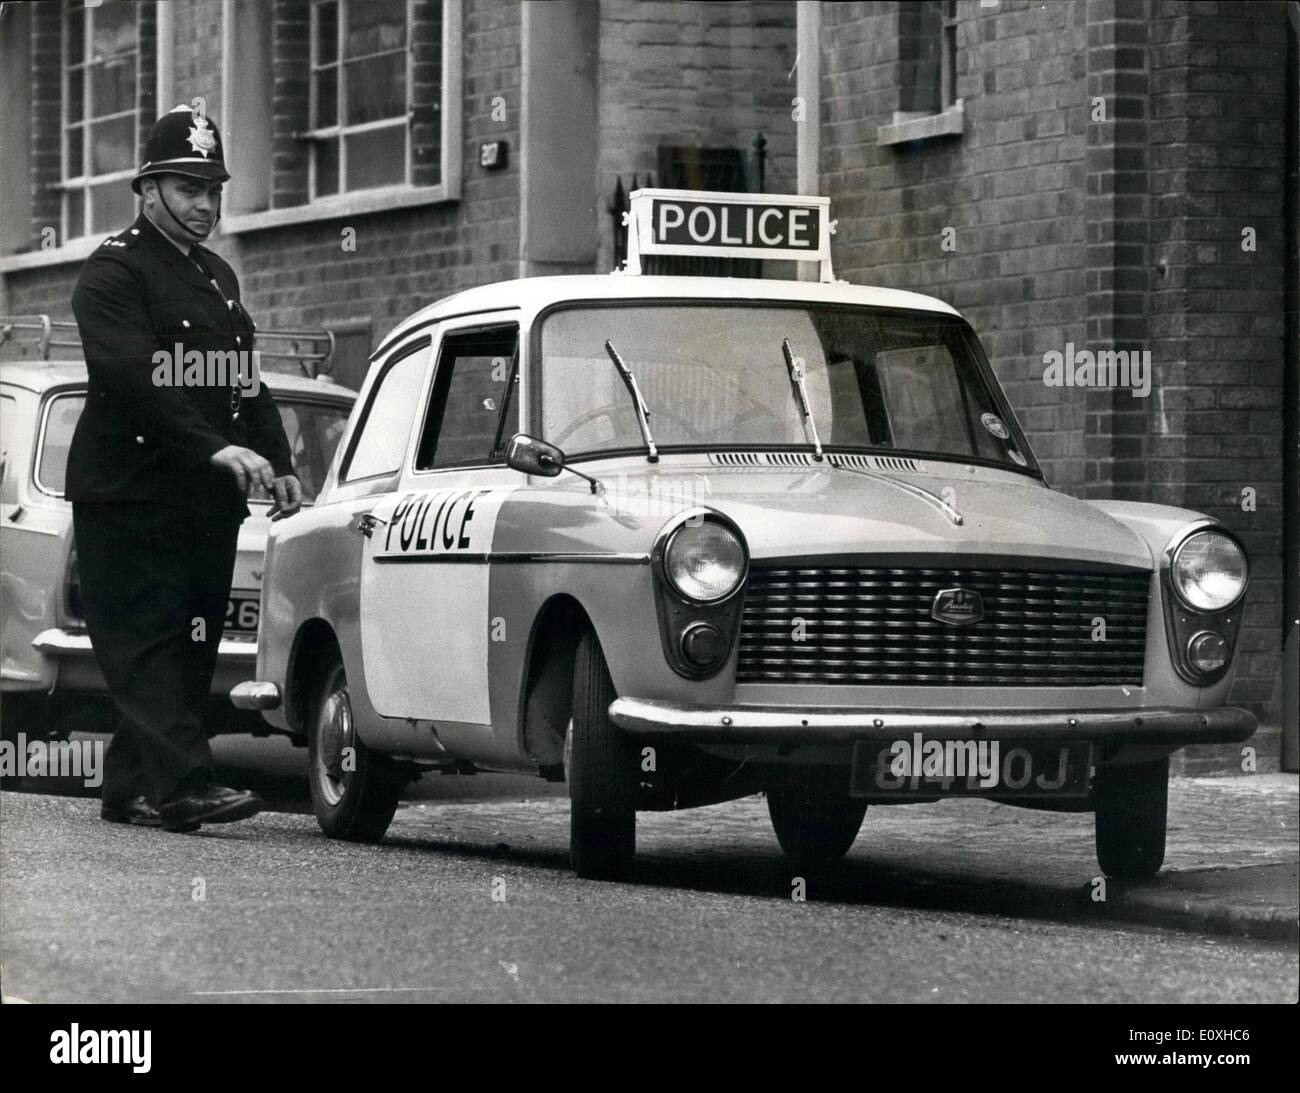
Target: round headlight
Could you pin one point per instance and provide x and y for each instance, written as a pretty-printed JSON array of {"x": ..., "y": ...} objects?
[
  {"x": 705, "y": 561},
  {"x": 1209, "y": 571}
]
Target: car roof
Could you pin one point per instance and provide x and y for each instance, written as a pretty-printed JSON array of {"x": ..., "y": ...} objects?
[
  {"x": 41, "y": 376},
  {"x": 532, "y": 295}
]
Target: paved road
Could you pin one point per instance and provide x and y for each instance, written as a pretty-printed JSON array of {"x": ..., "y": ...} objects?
[{"x": 95, "y": 912}]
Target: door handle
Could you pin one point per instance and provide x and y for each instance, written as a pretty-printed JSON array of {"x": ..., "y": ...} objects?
[{"x": 365, "y": 522}]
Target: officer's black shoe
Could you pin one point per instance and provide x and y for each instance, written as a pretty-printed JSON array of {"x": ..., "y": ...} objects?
[
  {"x": 137, "y": 810},
  {"x": 140, "y": 812},
  {"x": 213, "y": 804}
]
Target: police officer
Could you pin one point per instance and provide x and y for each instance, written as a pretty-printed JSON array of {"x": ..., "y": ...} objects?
[{"x": 158, "y": 474}]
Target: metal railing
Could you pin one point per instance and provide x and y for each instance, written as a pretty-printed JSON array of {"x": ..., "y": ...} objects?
[{"x": 38, "y": 337}]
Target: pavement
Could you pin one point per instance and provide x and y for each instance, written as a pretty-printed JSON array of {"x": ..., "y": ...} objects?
[{"x": 1232, "y": 859}]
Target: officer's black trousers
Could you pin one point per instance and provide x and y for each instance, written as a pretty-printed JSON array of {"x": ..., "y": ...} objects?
[{"x": 149, "y": 572}]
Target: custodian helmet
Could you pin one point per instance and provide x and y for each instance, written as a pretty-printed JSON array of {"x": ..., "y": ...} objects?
[{"x": 183, "y": 142}]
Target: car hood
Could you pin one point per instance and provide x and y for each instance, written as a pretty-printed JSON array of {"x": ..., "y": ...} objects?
[{"x": 827, "y": 511}]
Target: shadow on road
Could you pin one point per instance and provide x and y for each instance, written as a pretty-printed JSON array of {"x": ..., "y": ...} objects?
[{"x": 747, "y": 871}]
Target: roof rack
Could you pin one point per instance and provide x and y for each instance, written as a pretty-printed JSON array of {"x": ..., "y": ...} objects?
[
  {"x": 310, "y": 350},
  {"x": 36, "y": 337},
  {"x": 32, "y": 337}
]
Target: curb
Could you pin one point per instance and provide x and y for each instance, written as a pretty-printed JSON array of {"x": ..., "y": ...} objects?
[{"x": 1207, "y": 913}]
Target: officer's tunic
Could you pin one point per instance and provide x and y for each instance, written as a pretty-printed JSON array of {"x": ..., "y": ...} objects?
[{"x": 156, "y": 523}]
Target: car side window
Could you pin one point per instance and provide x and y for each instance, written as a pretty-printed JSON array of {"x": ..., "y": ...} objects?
[
  {"x": 60, "y": 423},
  {"x": 385, "y": 424},
  {"x": 470, "y": 399}
]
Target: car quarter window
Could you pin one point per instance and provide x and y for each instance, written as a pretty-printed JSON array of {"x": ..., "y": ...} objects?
[
  {"x": 465, "y": 424},
  {"x": 9, "y": 483},
  {"x": 385, "y": 424},
  {"x": 60, "y": 422}
]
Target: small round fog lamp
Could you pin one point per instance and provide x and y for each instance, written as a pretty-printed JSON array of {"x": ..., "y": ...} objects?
[{"x": 1207, "y": 651}]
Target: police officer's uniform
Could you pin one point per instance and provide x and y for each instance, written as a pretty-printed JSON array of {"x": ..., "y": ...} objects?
[{"x": 156, "y": 523}]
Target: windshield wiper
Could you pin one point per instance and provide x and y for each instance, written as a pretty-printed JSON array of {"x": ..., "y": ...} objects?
[
  {"x": 796, "y": 370},
  {"x": 907, "y": 487},
  {"x": 642, "y": 411}
]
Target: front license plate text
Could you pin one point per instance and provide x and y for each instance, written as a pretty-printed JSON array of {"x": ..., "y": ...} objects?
[{"x": 913, "y": 766}]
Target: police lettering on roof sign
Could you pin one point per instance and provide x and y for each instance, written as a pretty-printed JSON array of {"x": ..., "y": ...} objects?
[
  {"x": 728, "y": 225},
  {"x": 712, "y": 223}
]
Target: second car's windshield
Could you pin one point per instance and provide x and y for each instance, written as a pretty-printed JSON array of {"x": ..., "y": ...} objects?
[{"x": 715, "y": 375}]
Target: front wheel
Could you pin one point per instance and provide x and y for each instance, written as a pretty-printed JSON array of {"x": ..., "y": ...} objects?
[
  {"x": 354, "y": 791},
  {"x": 1132, "y": 808},
  {"x": 600, "y": 767},
  {"x": 815, "y": 819}
]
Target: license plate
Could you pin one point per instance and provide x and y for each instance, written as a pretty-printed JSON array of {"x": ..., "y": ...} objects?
[
  {"x": 242, "y": 613},
  {"x": 914, "y": 766}
]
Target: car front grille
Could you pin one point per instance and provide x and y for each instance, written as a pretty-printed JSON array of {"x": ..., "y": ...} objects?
[{"x": 872, "y": 625}]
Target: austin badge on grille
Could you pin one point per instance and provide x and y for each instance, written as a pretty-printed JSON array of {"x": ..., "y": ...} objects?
[{"x": 957, "y": 606}]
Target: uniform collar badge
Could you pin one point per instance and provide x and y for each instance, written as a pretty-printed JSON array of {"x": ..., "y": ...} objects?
[{"x": 202, "y": 138}]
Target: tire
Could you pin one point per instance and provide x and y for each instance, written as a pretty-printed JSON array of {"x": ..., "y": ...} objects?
[
  {"x": 358, "y": 804},
  {"x": 1131, "y": 818},
  {"x": 30, "y": 714},
  {"x": 600, "y": 767},
  {"x": 815, "y": 819}
]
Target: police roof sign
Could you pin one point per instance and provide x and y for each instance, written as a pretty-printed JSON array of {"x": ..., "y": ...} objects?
[{"x": 729, "y": 225}]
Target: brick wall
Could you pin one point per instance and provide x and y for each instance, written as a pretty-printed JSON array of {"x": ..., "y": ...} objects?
[
  {"x": 1011, "y": 187},
  {"x": 707, "y": 74},
  {"x": 1217, "y": 78},
  {"x": 1120, "y": 232}
]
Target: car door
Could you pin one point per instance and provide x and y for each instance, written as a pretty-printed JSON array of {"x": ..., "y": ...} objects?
[{"x": 426, "y": 566}]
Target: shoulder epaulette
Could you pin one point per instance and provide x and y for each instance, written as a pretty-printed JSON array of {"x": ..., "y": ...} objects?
[{"x": 128, "y": 238}]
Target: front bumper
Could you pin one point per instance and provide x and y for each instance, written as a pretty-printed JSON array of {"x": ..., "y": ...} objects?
[
  {"x": 830, "y": 725},
  {"x": 79, "y": 670}
]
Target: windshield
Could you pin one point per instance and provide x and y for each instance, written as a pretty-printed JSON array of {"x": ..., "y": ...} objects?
[{"x": 715, "y": 375}]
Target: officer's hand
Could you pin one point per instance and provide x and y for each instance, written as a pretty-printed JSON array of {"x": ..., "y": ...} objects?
[
  {"x": 288, "y": 497},
  {"x": 247, "y": 466}
]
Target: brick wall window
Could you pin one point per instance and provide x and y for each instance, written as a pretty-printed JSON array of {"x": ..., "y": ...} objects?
[
  {"x": 359, "y": 95},
  {"x": 353, "y": 104},
  {"x": 928, "y": 45},
  {"x": 79, "y": 84},
  {"x": 948, "y": 55},
  {"x": 100, "y": 120}
]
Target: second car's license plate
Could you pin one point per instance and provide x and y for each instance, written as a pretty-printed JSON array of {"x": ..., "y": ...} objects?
[
  {"x": 241, "y": 614},
  {"x": 914, "y": 766}
]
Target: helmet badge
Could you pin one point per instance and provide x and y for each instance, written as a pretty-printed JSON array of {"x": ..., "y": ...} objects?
[{"x": 202, "y": 139}]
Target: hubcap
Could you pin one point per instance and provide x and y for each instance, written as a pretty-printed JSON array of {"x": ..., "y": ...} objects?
[{"x": 334, "y": 737}]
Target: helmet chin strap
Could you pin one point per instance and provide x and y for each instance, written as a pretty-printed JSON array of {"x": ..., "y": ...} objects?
[{"x": 179, "y": 223}]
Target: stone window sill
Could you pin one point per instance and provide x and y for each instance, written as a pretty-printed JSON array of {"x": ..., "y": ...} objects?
[
  {"x": 76, "y": 250},
  {"x": 906, "y": 128},
  {"x": 335, "y": 208}
]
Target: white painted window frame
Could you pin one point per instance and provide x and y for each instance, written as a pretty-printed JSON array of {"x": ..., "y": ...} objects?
[{"x": 361, "y": 202}]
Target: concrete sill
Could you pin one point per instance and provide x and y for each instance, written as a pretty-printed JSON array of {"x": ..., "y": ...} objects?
[
  {"x": 906, "y": 128},
  {"x": 77, "y": 250},
  {"x": 334, "y": 208}
]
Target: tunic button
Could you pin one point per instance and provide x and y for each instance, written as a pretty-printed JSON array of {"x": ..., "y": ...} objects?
[
  {"x": 238, "y": 340},
  {"x": 139, "y": 440},
  {"x": 135, "y": 231},
  {"x": 185, "y": 322}
]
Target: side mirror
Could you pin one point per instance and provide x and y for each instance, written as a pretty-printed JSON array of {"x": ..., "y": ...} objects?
[{"x": 532, "y": 456}]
